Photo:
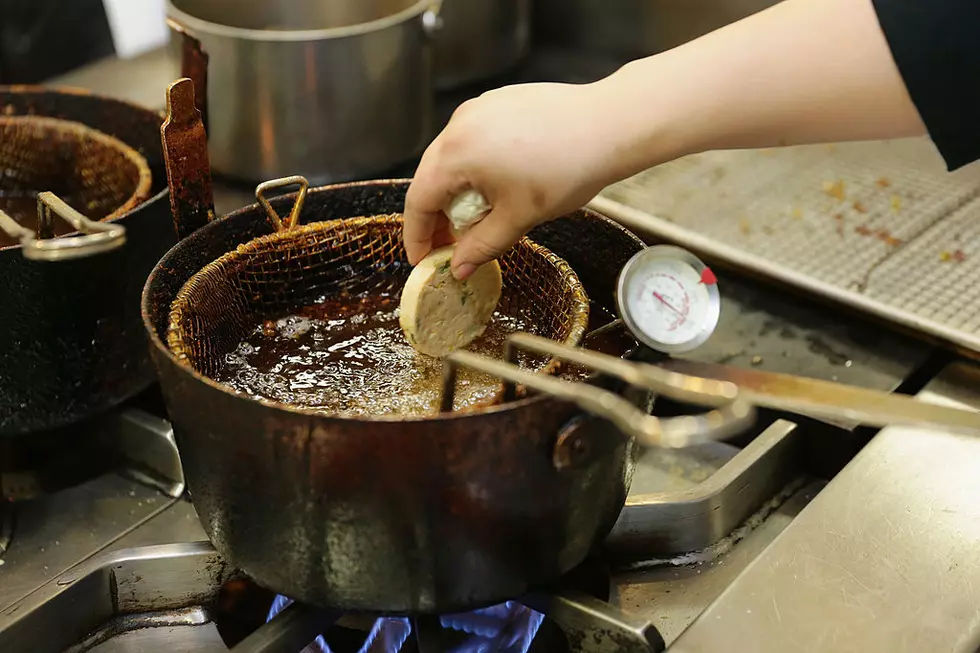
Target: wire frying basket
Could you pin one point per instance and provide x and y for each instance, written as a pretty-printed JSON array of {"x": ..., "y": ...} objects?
[
  {"x": 78, "y": 173},
  {"x": 299, "y": 264}
]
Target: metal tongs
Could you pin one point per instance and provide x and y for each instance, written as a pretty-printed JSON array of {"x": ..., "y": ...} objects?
[
  {"x": 730, "y": 413},
  {"x": 732, "y": 393}
]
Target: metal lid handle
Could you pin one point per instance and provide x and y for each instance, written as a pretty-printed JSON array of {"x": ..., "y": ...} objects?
[{"x": 99, "y": 237}]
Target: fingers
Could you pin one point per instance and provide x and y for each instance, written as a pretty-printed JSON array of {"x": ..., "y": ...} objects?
[
  {"x": 419, "y": 231},
  {"x": 426, "y": 226},
  {"x": 485, "y": 241}
]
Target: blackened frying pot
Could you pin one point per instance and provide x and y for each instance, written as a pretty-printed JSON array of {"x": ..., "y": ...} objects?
[
  {"x": 71, "y": 342},
  {"x": 426, "y": 515}
]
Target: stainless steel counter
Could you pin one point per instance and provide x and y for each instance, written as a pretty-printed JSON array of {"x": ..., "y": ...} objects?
[{"x": 885, "y": 559}]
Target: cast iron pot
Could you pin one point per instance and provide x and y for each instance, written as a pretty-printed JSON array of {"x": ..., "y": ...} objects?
[
  {"x": 71, "y": 344},
  {"x": 427, "y": 515}
]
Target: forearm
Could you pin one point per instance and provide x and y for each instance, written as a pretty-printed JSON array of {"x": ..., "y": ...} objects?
[{"x": 803, "y": 71}]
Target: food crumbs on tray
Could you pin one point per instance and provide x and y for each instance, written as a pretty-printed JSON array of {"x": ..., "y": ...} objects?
[
  {"x": 885, "y": 236},
  {"x": 839, "y": 218},
  {"x": 896, "y": 203},
  {"x": 797, "y": 213},
  {"x": 757, "y": 360},
  {"x": 860, "y": 208},
  {"x": 883, "y": 182},
  {"x": 863, "y": 230},
  {"x": 744, "y": 226},
  {"x": 957, "y": 256},
  {"x": 835, "y": 189}
]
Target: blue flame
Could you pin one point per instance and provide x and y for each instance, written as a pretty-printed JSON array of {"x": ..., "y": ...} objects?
[
  {"x": 508, "y": 628},
  {"x": 279, "y": 604}
]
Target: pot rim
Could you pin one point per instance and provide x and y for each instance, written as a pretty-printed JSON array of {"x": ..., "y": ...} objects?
[
  {"x": 185, "y": 369},
  {"x": 180, "y": 19}
]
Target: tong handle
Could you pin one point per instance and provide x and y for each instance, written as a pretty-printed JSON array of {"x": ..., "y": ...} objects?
[
  {"x": 275, "y": 184},
  {"x": 98, "y": 237},
  {"x": 730, "y": 416}
]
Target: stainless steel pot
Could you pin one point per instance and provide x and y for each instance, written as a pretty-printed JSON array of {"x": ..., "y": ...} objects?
[
  {"x": 633, "y": 28},
  {"x": 333, "y": 89},
  {"x": 480, "y": 39}
]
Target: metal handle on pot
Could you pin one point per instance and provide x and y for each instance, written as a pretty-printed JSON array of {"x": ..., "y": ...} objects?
[
  {"x": 185, "y": 155},
  {"x": 99, "y": 237},
  {"x": 729, "y": 417},
  {"x": 275, "y": 184}
]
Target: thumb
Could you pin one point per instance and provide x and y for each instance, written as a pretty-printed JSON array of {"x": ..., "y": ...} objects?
[{"x": 485, "y": 241}]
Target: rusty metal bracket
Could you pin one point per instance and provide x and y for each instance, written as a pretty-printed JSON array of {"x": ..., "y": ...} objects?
[{"x": 185, "y": 154}]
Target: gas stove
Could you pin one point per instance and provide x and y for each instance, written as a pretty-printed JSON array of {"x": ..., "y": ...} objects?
[
  {"x": 119, "y": 562},
  {"x": 793, "y": 535},
  {"x": 717, "y": 543},
  {"x": 800, "y": 535}
]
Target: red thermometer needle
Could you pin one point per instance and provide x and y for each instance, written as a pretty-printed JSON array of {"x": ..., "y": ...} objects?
[{"x": 667, "y": 304}]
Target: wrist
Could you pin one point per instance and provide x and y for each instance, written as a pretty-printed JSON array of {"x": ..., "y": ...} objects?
[{"x": 642, "y": 122}]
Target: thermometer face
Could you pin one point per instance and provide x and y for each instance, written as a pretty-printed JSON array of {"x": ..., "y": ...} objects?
[{"x": 669, "y": 299}]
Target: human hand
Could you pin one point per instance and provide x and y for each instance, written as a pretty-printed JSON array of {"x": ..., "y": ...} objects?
[{"x": 534, "y": 151}]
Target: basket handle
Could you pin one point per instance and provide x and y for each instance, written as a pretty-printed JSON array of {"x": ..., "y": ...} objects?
[
  {"x": 729, "y": 416},
  {"x": 275, "y": 184},
  {"x": 99, "y": 237},
  {"x": 185, "y": 155}
]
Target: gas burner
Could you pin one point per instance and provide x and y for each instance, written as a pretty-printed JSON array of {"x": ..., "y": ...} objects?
[
  {"x": 170, "y": 597},
  {"x": 509, "y": 627},
  {"x": 586, "y": 623}
]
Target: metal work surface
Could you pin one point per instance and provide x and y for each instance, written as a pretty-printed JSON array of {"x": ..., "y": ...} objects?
[
  {"x": 164, "y": 588},
  {"x": 780, "y": 332},
  {"x": 674, "y": 591},
  {"x": 884, "y": 558},
  {"x": 680, "y": 520},
  {"x": 164, "y": 593},
  {"x": 54, "y": 532},
  {"x": 880, "y": 226}
]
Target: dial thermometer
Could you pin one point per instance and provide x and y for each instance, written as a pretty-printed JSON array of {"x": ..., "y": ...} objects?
[{"x": 669, "y": 299}]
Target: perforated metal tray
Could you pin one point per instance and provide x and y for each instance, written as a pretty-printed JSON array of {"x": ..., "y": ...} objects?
[{"x": 879, "y": 226}]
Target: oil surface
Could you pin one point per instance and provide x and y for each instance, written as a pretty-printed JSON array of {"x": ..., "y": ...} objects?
[{"x": 348, "y": 355}]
